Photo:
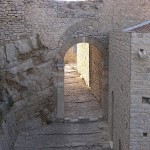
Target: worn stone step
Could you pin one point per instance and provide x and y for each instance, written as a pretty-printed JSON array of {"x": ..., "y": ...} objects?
[
  {"x": 82, "y": 93},
  {"x": 75, "y": 140},
  {"x": 83, "y": 113},
  {"x": 92, "y": 147},
  {"x": 66, "y": 128},
  {"x": 78, "y": 99},
  {"x": 72, "y": 82},
  {"x": 83, "y": 120},
  {"x": 90, "y": 105}
]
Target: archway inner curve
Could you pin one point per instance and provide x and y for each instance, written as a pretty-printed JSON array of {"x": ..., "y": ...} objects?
[{"x": 102, "y": 51}]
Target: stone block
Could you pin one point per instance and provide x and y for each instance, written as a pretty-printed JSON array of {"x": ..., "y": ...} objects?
[
  {"x": 23, "y": 46},
  {"x": 13, "y": 70},
  {"x": 11, "y": 52},
  {"x": 34, "y": 42},
  {"x": 93, "y": 119},
  {"x": 135, "y": 40},
  {"x": 146, "y": 38},
  {"x": 67, "y": 120},
  {"x": 83, "y": 119},
  {"x": 74, "y": 120},
  {"x": 2, "y": 56},
  {"x": 26, "y": 65}
]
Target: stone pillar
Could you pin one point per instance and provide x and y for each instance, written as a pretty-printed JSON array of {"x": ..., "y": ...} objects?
[
  {"x": 105, "y": 88},
  {"x": 60, "y": 91}
]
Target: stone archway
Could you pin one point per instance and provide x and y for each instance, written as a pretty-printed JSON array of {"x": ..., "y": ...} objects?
[{"x": 60, "y": 76}]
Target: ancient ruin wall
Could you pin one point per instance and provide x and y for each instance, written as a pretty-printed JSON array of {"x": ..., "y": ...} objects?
[
  {"x": 140, "y": 93},
  {"x": 119, "y": 89},
  {"x": 51, "y": 19},
  {"x": 28, "y": 69},
  {"x": 83, "y": 61},
  {"x": 96, "y": 73},
  {"x": 13, "y": 24},
  {"x": 56, "y": 23}
]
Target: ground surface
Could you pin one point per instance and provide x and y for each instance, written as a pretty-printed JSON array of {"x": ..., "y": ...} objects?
[
  {"x": 83, "y": 130},
  {"x": 79, "y": 100}
]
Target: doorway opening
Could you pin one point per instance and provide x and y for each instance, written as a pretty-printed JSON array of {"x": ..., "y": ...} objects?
[{"x": 83, "y": 82}]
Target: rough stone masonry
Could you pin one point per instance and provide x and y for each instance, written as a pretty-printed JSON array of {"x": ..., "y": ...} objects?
[{"x": 34, "y": 37}]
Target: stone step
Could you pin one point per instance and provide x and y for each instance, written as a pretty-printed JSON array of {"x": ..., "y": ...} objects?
[
  {"x": 82, "y": 147},
  {"x": 90, "y": 105},
  {"x": 83, "y": 120},
  {"x": 65, "y": 126},
  {"x": 82, "y": 113},
  {"x": 66, "y": 82},
  {"x": 82, "y": 92},
  {"x": 57, "y": 141}
]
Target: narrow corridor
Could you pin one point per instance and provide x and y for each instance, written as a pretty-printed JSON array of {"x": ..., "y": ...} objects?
[{"x": 79, "y": 100}]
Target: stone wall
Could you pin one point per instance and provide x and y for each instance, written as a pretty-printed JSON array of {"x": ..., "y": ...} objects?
[
  {"x": 9, "y": 130},
  {"x": 51, "y": 19},
  {"x": 83, "y": 61},
  {"x": 28, "y": 69},
  {"x": 119, "y": 89},
  {"x": 8, "y": 124},
  {"x": 13, "y": 24},
  {"x": 96, "y": 73},
  {"x": 140, "y": 93}
]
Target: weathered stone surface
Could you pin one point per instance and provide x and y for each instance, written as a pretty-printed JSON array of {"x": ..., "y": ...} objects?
[
  {"x": 139, "y": 113},
  {"x": 23, "y": 46},
  {"x": 60, "y": 26},
  {"x": 65, "y": 136},
  {"x": 11, "y": 52},
  {"x": 2, "y": 56},
  {"x": 26, "y": 65},
  {"x": 34, "y": 42},
  {"x": 119, "y": 88},
  {"x": 9, "y": 130},
  {"x": 83, "y": 51},
  {"x": 79, "y": 100}
]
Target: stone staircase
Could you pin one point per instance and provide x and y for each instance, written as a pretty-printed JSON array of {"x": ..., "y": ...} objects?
[{"x": 82, "y": 129}]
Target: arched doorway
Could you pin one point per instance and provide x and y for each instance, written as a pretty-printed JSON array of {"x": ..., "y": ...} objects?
[
  {"x": 60, "y": 76},
  {"x": 83, "y": 82}
]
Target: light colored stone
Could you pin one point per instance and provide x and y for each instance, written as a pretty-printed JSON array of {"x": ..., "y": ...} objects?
[
  {"x": 11, "y": 52},
  {"x": 60, "y": 25},
  {"x": 34, "y": 42},
  {"x": 23, "y": 46},
  {"x": 146, "y": 38},
  {"x": 26, "y": 65},
  {"x": 2, "y": 56}
]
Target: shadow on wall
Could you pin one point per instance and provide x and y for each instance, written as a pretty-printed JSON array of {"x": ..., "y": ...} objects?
[
  {"x": 8, "y": 126},
  {"x": 71, "y": 55}
]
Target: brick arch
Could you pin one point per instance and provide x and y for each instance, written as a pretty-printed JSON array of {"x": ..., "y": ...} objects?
[
  {"x": 71, "y": 37},
  {"x": 93, "y": 41},
  {"x": 76, "y": 34},
  {"x": 72, "y": 29}
]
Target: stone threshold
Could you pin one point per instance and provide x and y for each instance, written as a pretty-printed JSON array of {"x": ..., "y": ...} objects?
[
  {"x": 111, "y": 144},
  {"x": 103, "y": 146},
  {"x": 79, "y": 120}
]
